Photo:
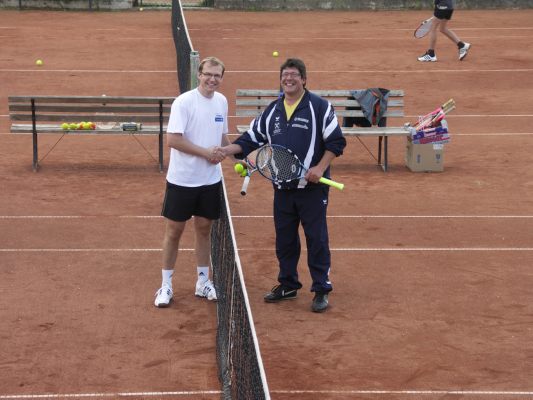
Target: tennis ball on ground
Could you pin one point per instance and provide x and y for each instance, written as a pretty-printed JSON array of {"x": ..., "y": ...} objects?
[
  {"x": 39, "y": 62},
  {"x": 275, "y": 54},
  {"x": 238, "y": 168},
  {"x": 141, "y": 9}
]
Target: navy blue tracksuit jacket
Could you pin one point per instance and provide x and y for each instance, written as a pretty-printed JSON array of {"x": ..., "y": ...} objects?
[{"x": 312, "y": 129}]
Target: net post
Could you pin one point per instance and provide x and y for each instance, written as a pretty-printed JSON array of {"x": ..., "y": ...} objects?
[{"x": 195, "y": 62}]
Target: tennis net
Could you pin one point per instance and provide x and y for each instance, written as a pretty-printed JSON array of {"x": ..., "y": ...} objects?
[
  {"x": 239, "y": 360},
  {"x": 185, "y": 54}
]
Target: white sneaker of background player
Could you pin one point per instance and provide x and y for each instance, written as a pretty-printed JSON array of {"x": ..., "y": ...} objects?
[
  {"x": 163, "y": 296},
  {"x": 206, "y": 289}
]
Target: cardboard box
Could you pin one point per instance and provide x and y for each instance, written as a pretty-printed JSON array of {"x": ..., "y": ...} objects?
[{"x": 424, "y": 157}]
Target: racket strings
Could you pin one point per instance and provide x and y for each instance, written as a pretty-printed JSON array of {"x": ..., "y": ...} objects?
[{"x": 278, "y": 165}]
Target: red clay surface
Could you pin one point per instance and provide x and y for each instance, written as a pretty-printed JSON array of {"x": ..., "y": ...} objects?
[{"x": 431, "y": 272}]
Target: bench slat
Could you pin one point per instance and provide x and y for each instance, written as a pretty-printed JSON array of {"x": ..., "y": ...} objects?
[
  {"x": 324, "y": 93},
  {"x": 90, "y": 99},
  {"x": 255, "y": 102},
  {"x": 88, "y": 108},
  {"x": 355, "y": 131},
  {"x": 340, "y": 113},
  {"x": 86, "y": 117},
  {"x": 45, "y": 128}
]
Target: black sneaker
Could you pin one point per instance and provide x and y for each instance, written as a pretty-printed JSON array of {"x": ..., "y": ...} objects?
[
  {"x": 279, "y": 293},
  {"x": 320, "y": 302}
]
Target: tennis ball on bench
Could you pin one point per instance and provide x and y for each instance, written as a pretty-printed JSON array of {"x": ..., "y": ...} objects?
[
  {"x": 238, "y": 168},
  {"x": 65, "y": 126}
]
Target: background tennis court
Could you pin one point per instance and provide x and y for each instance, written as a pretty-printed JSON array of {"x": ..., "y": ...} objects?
[{"x": 431, "y": 271}]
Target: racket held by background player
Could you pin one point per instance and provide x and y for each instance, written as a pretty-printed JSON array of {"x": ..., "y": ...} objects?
[{"x": 424, "y": 28}]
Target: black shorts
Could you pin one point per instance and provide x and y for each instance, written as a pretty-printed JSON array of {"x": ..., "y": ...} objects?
[
  {"x": 443, "y": 14},
  {"x": 182, "y": 202}
]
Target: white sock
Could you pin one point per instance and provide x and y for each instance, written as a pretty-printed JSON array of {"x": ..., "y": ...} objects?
[
  {"x": 167, "y": 277},
  {"x": 203, "y": 274}
]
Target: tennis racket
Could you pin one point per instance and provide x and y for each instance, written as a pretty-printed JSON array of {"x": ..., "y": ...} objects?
[
  {"x": 251, "y": 168},
  {"x": 424, "y": 28},
  {"x": 280, "y": 165},
  {"x": 433, "y": 117}
]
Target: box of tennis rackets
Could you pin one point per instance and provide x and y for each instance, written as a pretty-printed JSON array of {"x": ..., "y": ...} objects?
[{"x": 438, "y": 134}]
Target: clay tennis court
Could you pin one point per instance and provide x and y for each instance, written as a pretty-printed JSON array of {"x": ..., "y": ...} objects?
[{"x": 432, "y": 272}]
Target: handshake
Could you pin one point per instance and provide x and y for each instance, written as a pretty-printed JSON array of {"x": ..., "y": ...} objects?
[{"x": 216, "y": 154}]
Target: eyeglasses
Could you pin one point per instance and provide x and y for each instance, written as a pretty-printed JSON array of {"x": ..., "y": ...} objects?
[
  {"x": 209, "y": 76},
  {"x": 290, "y": 75}
]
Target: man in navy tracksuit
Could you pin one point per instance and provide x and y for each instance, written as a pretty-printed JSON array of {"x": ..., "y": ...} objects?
[{"x": 306, "y": 124}]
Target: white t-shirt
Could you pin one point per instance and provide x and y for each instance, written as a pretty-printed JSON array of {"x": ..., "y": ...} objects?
[{"x": 202, "y": 121}]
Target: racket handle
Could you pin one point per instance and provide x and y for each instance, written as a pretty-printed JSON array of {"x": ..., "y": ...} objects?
[
  {"x": 244, "y": 187},
  {"x": 329, "y": 182}
]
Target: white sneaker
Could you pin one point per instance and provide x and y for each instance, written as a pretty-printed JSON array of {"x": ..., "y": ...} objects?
[
  {"x": 427, "y": 58},
  {"x": 463, "y": 51},
  {"x": 163, "y": 297},
  {"x": 206, "y": 289}
]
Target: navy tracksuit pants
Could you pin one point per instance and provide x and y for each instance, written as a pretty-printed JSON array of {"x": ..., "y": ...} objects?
[{"x": 308, "y": 207}]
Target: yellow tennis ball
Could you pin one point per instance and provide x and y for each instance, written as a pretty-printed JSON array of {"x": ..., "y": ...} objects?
[
  {"x": 238, "y": 168},
  {"x": 39, "y": 62},
  {"x": 244, "y": 172},
  {"x": 275, "y": 54}
]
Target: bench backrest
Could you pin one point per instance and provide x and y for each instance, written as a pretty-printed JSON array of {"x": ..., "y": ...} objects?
[
  {"x": 89, "y": 108},
  {"x": 251, "y": 102}
]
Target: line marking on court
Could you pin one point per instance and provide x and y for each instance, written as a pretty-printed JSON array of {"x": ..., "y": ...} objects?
[
  {"x": 369, "y": 71},
  {"x": 79, "y": 216},
  {"x": 357, "y": 38},
  {"x": 133, "y": 394},
  {"x": 354, "y": 249},
  {"x": 335, "y": 392},
  {"x": 261, "y": 216},
  {"x": 410, "y": 392},
  {"x": 83, "y": 250},
  {"x": 400, "y": 216}
]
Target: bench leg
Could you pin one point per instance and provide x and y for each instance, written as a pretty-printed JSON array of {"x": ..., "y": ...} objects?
[
  {"x": 385, "y": 154},
  {"x": 380, "y": 140},
  {"x": 35, "y": 163},
  {"x": 160, "y": 152}
]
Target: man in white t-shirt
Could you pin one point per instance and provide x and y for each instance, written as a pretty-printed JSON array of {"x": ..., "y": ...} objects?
[{"x": 197, "y": 127}]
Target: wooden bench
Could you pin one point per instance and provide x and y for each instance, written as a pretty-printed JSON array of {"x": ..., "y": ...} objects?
[
  {"x": 112, "y": 115},
  {"x": 251, "y": 102}
]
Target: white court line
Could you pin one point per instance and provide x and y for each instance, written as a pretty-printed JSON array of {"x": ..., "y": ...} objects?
[
  {"x": 401, "y": 216},
  {"x": 411, "y": 392},
  {"x": 354, "y": 249},
  {"x": 358, "y": 38},
  {"x": 125, "y": 394},
  {"x": 79, "y": 216},
  {"x": 255, "y": 216},
  {"x": 370, "y": 71},
  {"x": 83, "y": 250},
  {"x": 314, "y": 392}
]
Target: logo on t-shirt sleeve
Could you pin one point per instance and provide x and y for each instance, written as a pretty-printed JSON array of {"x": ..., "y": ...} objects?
[{"x": 219, "y": 118}]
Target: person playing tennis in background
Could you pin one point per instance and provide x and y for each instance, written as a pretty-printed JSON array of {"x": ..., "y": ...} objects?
[
  {"x": 442, "y": 14},
  {"x": 197, "y": 127},
  {"x": 306, "y": 124}
]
